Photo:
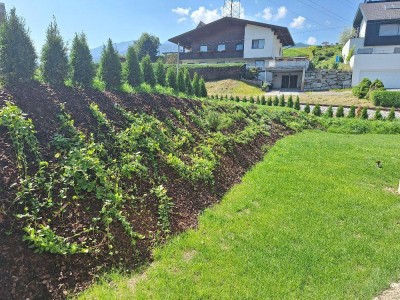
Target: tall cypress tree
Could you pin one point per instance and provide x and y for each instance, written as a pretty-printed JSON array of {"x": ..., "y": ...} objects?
[
  {"x": 160, "y": 72},
  {"x": 17, "y": 54},
  {"x": 202, "y": 88},
  {"x": 133, "y": 70},
  {"x": 189, "y": 87},
  {"x": 110, "y": 66},
  {"x": 181, "y": 81},
  {"x": 54, "y": 57},
  {"x": 81, "y": 61},
  {"x": 196, "y": 85},
  {"x": 148, "y": 71},
  {"x": 171, "y": 79}
]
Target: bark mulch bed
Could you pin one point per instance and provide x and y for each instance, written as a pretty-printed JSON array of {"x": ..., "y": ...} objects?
[{"x": 27, "y": 275}]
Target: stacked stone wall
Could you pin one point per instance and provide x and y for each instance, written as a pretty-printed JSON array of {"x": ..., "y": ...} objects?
[{"x": 322, "y": 80}]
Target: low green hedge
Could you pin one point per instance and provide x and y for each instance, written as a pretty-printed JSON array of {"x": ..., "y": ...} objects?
[{"x": 386, "y": 98}]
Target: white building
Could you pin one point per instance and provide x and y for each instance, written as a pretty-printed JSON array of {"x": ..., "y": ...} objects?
[
  {"x": 232, "y": 40},
  {"x": 376, "y": 46}
]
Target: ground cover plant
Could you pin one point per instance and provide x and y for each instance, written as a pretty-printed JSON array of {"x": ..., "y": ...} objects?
[
  {"x": 317, "y": 219},
  {"x": 95, "y": 179}
]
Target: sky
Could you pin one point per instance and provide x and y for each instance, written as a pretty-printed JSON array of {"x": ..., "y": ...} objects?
[{"x": 309, "y": 21}]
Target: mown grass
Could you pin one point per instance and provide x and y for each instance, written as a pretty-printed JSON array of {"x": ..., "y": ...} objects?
[
  {"x": 232, "y": 87},
  {"x": 315, "y": 220}
]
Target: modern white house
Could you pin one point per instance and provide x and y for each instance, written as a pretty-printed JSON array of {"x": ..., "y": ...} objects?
[
  {"x": 233, "y": 40},
  {"x": 376, "y": 44}
]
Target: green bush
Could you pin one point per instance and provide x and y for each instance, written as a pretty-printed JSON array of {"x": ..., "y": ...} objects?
[
  {"x": 340, "y": 112},
  {"x": 188, "y": 81},
  {"x": 263, "y": 100},
  {"x": 317, "y": 110},
  {"x": 364, "y": 113},
  {"x": 386, "y": 98},
  {"x": 276, "y": 101},
  {"x": 307, "y": 109},
  {"x": 148, "y": 72},
  {"x": 110, "y": 66},
  {"x": 81, "y": 62},
  {"x": 392, "y": 114},
  {"x": 378, "y": 114},
  {"x": 159, "y": 71},
  {"x": 203, "y": 88},
  {"x": 364, "y": 87},
  {"x": 196, "y": 84},
  {"x": 171, "y": 79},
  {"x": 282, "y": 101},
  {"x": 297, "y": 103},
  {"x": 54, "y": 58},
  {"x": 244, "y": 99},
  {"x": 252, "y": 99},
  {"x": 181, "y": 81},
  {"x": 17, "y": 53},
  {"x": 237, "y": 99},
  {"x": 352, "y": 112},
  {"x": 329, "y": 112},
  {"x": 290, "y": 102},
  {"x": 269, "y": 101},
  {"x": 258, "y": 101}
]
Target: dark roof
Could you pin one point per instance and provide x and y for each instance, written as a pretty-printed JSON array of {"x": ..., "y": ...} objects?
[
  {"x": 186, "y": 38},
  {"x": 377, "y": 11}
]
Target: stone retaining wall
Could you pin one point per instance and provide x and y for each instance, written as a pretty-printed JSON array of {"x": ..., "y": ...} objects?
[{"x": 322, "y": 80}]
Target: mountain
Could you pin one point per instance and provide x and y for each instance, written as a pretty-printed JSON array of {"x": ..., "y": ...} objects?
[
  {"x": 123, "y": 49},
  {"x": 301, "y": 45}
]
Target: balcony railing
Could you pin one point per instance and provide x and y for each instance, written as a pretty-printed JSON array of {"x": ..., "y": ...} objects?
[
  {"x": 378, "y": 51},
  {"x": 210, "y": 55},
  {"x": 287, "y": 63}
]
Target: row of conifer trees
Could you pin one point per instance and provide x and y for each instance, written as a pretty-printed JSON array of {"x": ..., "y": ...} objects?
[
  {"x": 18, "y": 62},
  {"x": 360, "y": 112}
]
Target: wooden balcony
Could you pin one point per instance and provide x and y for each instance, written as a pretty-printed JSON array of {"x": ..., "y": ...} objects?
[{"x": 210, "y": 55}]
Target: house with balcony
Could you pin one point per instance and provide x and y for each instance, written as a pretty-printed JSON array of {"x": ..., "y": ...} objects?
[
  {"x": 376, "y": 44},
  {"x": 233, "y": 40}
]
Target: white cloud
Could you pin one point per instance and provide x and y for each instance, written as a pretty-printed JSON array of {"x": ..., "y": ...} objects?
[
  {"x": 181, "y": 11},
  {"x": 267, "y": 14},
  {"x": 282, "y": 11},
  {"x": 312, "y": 41},
  {"x": 298, "y": 22},
  {"x": 182, "y": 19},
  {"x": 205, "y": 15}
]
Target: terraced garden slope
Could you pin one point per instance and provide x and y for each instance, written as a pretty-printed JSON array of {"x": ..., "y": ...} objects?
[
  {"x": 92, "y": 180},
  {"x": 317, "y": 219}
]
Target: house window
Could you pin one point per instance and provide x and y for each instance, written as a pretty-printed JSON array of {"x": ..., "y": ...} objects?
[
  {"x": 258, "y": 44},
  {"x": 239, "y": 47},
  {"x": 389, "y": 30},
  {"x": 203, "y": 48},
  {"x": 260, "y": 64},
  {"x": 221, "y": 47}
]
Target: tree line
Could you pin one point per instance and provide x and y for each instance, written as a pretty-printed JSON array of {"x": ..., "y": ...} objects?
[{"x": 18, "y": 61}]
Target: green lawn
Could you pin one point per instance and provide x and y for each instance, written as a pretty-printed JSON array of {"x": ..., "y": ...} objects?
[
  {"x": 315, "y": 220},
  {"x": 234, "y": 88}
]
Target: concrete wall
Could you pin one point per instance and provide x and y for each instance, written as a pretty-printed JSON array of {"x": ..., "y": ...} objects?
[
  {"x": 272, "y": 43},
  {"x": 322, "y": 80},
  {"x": 385, "y": 67}
]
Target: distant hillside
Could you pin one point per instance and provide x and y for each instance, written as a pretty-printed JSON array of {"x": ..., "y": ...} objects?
[{"x": 123, "y": 48}]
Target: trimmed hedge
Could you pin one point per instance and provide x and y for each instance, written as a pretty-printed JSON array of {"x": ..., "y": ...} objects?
[{"x": 386, "y": 98}]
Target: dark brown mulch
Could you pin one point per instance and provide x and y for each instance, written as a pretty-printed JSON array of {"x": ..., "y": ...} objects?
[{"x": 25, "y": 274}]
